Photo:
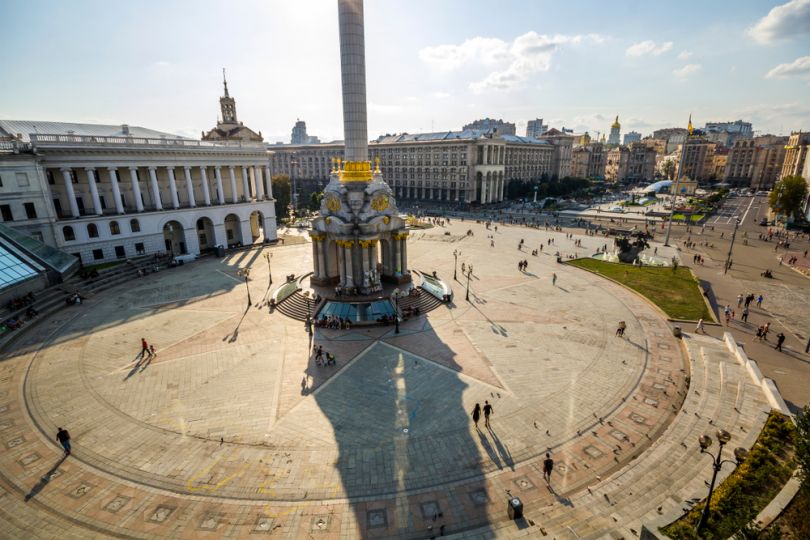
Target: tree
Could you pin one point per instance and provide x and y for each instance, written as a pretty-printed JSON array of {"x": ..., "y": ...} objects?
[
  {"x": 315, "y": 200},
  {"x": 788, "y": 196},
  {"x": 668, "y": 168},
  {"x": 281, "y": 192}
]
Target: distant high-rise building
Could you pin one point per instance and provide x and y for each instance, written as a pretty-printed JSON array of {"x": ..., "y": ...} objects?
[
  {"x": 299, "y": 134},
  {"x": 631, "y": 137},
  {"x": 488, "y": 124},
  {"x": 795, "y": 154},
  {"x": 726, "y": 133},
  {"x": 535, "y": 128},
  {"x": 615, "y": 133}
]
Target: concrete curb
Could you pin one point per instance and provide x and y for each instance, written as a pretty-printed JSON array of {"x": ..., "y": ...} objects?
[{"x": 767, "y": 385}]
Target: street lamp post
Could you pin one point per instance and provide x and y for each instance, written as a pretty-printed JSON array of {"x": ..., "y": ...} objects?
[
  {"x": 245, "y": 272},
  {"x": 731, "y": 246},
  {"x": 396, "y": 294},
  {"x": 469, "y": 273},
  {"x": 740, "y": 454},
  {"x": 456, "y": 253},
  {"x": 267, "y": 257}
]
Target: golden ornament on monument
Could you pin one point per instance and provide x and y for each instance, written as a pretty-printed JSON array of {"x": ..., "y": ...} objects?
[
  {"x": 379, "y": 202},
  {"x": 332, "y": 203}
]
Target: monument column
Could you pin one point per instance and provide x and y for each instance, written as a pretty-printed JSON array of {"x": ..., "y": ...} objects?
[
  {"x": 322, "y": 259},
  {"x": 353, "y": 77},
  {"x": 404, "y": 254},
  {"x": 315, "y": 261},
  {"x": 341, "y": 262},
  {"x": 349, "y": 264}
]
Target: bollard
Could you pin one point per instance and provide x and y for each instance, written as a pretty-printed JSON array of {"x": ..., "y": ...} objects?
[{"x": 515, "y": 509}]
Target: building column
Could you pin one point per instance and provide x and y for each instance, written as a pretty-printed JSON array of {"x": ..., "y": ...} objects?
[
  {"x": 245, "y": 185},
  {"x": 189, "y": 187},
  {"x": 155, "y": 189},
  {"x": 205, "y": 188},
  {"x": 218, "y": 179},
  {"x": 321, "y": 254},
  {"x": 316, "y": 263},
  {"x": 269, "y": 181},
  {"x": 173, "y": 187},
  {"x": 364, "y": 265},
  {"x": 71, "y": 194},
  {"x": 116, "y": 191},
  {"x": 341, "y": 262},
  {"x": 257, "y": 174},
  {"x": 397, "y": 254},
  {"x": 136, "y": 188},
  {"x": 234, "y": 194},
  {"x": 91, "y": 179},
  {"x": 404, "y": 254}
]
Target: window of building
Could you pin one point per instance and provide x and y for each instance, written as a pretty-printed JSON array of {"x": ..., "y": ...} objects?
[
  {"x": 67, "y": 232},
  {"x": 5, "y": 210},
  {"x": 51, "y": 181},
  {"x": 119, "y": 252},
  {"x": 22, "y": 179},
  {"x": 114, "y": 229},
  {"x": 134, "y": 225},
  {"x": 139, "y": 248},
  {"x": 98, "y": 254},
  {"x": 30, "y": 210},
  {"x": 92, "y": 230}
]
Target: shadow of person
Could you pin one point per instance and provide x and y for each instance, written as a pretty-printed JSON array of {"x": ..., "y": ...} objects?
[
  {"x": 44, "y": 480},
  {"x": 135, "y": 368},
  {"x": 637, "y": 345},
  {"x": 503, "y": 450},
  {"x": 493, "y": 455}
]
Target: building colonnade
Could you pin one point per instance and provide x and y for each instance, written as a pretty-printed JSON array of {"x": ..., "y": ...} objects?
[{"x": 359, "y": 262}]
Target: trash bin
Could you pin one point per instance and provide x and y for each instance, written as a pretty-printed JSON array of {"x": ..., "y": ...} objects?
[
  {"x": 676, "y": 331},
  {"x": 220, "y": 251},
  {"x": 515, "y": 509}
]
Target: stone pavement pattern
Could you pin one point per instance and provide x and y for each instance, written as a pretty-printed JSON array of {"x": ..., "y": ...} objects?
[{"x": 233, "y": 431}]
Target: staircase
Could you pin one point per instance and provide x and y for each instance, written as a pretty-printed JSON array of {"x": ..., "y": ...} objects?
[
  {"x": 425, "y": 301},
  {"x": 295, "y": 306}
]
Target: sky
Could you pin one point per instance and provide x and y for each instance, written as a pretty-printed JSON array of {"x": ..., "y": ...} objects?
[{"x": 431, "y": 65}]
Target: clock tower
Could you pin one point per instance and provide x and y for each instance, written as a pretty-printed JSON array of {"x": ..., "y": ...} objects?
[
  {"x": 227, "y": 104},
  {"x": 228, "y": 127}
]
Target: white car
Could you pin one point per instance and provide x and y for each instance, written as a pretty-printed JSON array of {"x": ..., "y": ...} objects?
[{"x": 616, "y": 209}]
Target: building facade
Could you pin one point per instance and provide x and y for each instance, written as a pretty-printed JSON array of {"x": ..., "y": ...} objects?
[
  {"x": 589, "y": 161},
  {"x": 631, "y": 137},
  {"x": 696, "y": 159},
  {"x": 615, "y": 137},
  {"x": 535, "y": 128},
  {"x": 299, "y": 134},
  {"x": 107, "y": 197},
  {"x": 630, "y": 164},
  {"x": 228, "y": 127},
  {"x": 727, "y": 133},
  {"x": 490, "y": 124},
  {"x": 795, "y": 154}
]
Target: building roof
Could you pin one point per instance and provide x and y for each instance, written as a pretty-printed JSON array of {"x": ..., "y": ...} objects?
[{"x": 11, "y": 128}]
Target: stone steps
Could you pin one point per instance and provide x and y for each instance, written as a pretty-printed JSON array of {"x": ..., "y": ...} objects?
[{"x": 294, "y": 306}]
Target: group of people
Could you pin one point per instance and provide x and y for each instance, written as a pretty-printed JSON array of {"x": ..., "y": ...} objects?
[
  {"x": 147, "y": 350},
  {"x": 697, "y": 259},
  {"x": 522, "y": 265},
  {"x": 74, "y": 299},
  {"x": 333, "y": 322},
  {"x": 20, "y": 302},
  {"x": 324, "y": 358}
]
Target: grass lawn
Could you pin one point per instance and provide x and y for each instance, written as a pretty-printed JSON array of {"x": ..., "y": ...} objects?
[
  {"x": 676, "y": 292},
  {"x": 693, "y": 217}
]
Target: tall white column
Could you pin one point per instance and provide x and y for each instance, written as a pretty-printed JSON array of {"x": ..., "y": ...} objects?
[
  {"x": 245, "y": 184},
  {"x": 91, "y": 179},
  {"x": 220, "y": 191},
  {"x": 155, "y": 188},
  {"x": 116, "y": 191},
  {"x": 234, "y": 194},
  {"x": 269, "y": 181},
  {"x": 353, "y": 78},
  {"x": 173, "y": 187},
  {"x": 316, "y": 262},
  {"x": 71, "y": 195},
  {"x": 404, "y": 256},
  {"x": 205, "y": 188},
  {"x": 396, "y": 245},
  {"x": 189, "y": 187},
  {"x": 257, "y": 171},
  {"x": 322, "y": 258},
  {"x": 349, "y": 267},
  {"x": 136, "y": 188}
]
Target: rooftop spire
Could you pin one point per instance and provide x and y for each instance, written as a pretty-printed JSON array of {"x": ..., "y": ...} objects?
[{"x": 225, "y": 82}]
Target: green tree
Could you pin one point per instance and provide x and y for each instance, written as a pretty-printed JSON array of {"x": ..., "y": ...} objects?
[
  {"x": 788, "y": 196},
  {"x": 668, "y": 168},
  {"x": 315, "y": 200},
  {"x": 281, "y": 192}
]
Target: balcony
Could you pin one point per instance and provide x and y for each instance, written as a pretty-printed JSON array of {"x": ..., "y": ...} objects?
[{"x": 97, "y": 140}]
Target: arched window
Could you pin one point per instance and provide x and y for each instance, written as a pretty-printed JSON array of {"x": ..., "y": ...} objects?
[
  {"x": 67, "y": 232},
  {"x": 92, "y": 230},
  {"x": 134, "y": 225},
  {"x": 114, "y": 228}
]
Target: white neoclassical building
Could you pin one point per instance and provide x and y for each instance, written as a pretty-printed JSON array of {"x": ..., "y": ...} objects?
[{"x": 107, "y": 192}]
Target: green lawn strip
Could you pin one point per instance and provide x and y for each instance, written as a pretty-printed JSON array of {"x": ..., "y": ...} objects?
[
  {"x": 676, "y": 292},
  {"x": 692, "y": 217},
  {"x": 739, "y": 499}
]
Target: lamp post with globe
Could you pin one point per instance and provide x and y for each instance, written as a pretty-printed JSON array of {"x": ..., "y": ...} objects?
[
  {"x": 456, "y": 253},
  {"x": 396, "y": 295},
  {"x": 705, "y": 441},
  {"x": 245, "y": 273}
]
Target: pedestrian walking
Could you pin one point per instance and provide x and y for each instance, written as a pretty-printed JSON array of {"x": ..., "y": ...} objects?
[
  {"x": 759, "y": 301},
  {"x": 699, "y": 328},
  {"x": 548, "y": 466},
  {"x": 765, "y": 330},
  {"x": 319, "y": 355},
  {"x": 745, "y": 314},
  {"x": 780, "y": 338},
  {"x": 621, "y": 328},
  {"x": 487, "y": 412},
  {"x": 553, "y": 280},
  {"x": 63, "y": 437},
  {"x": 476, "y": 414},
  {"x": 144, "y": 348},
  {"x": 152, "y": 351},
  {"x": 739, "y": 300},
  {"x": 727, "y": 312}
]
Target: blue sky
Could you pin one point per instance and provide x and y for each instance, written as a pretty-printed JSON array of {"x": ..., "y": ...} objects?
[{"x": 431, "y": 65}]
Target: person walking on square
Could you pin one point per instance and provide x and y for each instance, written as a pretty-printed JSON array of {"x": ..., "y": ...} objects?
[
  {"x": 152, "y": 351},
  {"x": 759, "y": 301},
  {"x": 63, "y": 437},
  {"x": 699, "y": 328},
  {"x": 745, "y": 314},
  {"x": 319, "y": 355},
  {"x": 765, "y": 330},
  {"x": 144, "y": 348},
  {"x": 476, "y": 414},
  {"x": 620, "y": 330},
  {"x": 553, "y": 280},
  {"x": 487, "y": 412},
  {"x": 739, "y": 300},
  {"x": 780, "y": 338},
  {"x": 548, "y": 466}
]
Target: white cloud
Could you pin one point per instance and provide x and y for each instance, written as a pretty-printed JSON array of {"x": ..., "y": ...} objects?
[
  {"x": 648, "y": 47},
  {"x": 686, "y": 71},
  {"x": 527, "y": 54},
  {"x": 685, "y": 55},
  {"x": 783, "y": 21},
  {"x": 798, "y": 68}
]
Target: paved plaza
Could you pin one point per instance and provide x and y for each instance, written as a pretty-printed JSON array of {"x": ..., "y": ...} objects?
[{"x": 232, "y": 430}]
